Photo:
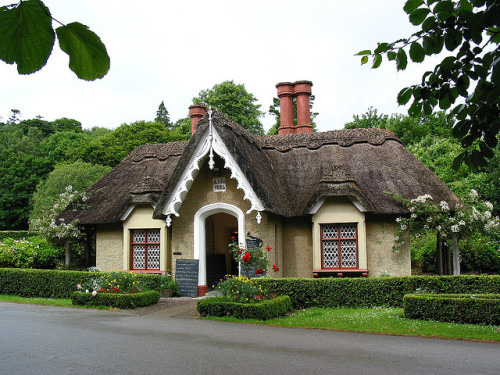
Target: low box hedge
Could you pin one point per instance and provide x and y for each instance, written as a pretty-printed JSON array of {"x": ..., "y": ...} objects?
[
  {"x": 263, "y": 310},
  {"x": 458, "y": 308},
  {"x": 54, "y": 283},
  {"x": 119, "y": 300},
  {"x": 373, "y": 292}
]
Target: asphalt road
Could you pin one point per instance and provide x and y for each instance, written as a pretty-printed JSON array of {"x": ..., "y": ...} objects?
[{"x": 50, "y": 340}]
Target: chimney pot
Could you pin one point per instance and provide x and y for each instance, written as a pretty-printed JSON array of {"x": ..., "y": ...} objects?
[
  {"x": 302, "y": 91},
  {"x": 196, "y": 112},
  {"x": 285, "y": 94}
]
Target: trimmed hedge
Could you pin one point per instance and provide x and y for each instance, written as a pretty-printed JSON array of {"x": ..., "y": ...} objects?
[
  {"x": 266, "y": 309},
  {"x": 458, "y": 308},
  {"x": 373, "y": 292},
  {"x": 119, "y": 300},
  {"x": 56, "y": 284}
]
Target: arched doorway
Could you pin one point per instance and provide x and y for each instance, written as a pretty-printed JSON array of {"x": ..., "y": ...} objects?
[
  {"x": 219, "y": 230},
  {"x": 232, "y": 220}
]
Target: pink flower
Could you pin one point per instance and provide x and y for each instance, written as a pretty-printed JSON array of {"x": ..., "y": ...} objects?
[
  {"x": 78, "y": 286},
  {"x": 94, "y": 293}
]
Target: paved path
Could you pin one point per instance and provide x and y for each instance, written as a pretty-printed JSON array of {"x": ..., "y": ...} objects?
[{"x": 50, "y": 340}]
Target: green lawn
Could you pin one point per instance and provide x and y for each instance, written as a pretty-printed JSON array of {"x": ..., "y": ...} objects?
[
  {"x": 388, "y": 321},
  {"x": 64, "y": 302}
]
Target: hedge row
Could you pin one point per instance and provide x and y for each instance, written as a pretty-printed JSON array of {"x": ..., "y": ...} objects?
[
  {"x": 16, "y": 235},
  {"x": 458, "y": 308},
  {"x": 121, "y": 301},
  {"x": 266, "y": 309},
  {"x": 370, "y": 292},
  {"x": 55, "y": 284}
]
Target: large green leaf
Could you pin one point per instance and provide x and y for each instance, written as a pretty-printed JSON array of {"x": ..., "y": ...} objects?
[
  {"x": 88, "y": 57},
  {"x": 411, "y": 5},
  {"x": 27, "y": 36},
  {"x": 401, "y": 59},
  {"x": 418, "y": 16},
  {"x": 417, "y": 53}
]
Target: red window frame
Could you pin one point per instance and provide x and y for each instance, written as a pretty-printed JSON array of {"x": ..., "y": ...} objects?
[
  {"x": 339, "y": 239},
  {"x": 146, "y": 244}
]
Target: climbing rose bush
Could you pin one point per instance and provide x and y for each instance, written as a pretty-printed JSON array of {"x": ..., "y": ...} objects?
[
  {"x": 253, "y": 260},
  {"x": 470, "y": 216}
]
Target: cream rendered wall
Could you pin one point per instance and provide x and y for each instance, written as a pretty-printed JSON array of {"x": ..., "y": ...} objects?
[
  {"x": 297, "y": 245},
  {"x": 141, "y": 217},
  {"x": 381, "y": 258},
  {"x": 339, "y": 210},
  {"x": 109, "y": 247},
  {"x": 200, "y": 195}
]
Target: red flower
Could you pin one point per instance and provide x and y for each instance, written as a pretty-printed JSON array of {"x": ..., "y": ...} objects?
[
  {"x": 239, "y": 251},
  {"x": 258, "y": 271},
  {"x": 246, "y": 258},
  {"x": 276, "y": 269},
  {"x": 268, "y": 248},
  {"x": 233, "y": 238}
]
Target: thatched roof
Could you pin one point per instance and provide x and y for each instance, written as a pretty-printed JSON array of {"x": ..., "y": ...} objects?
[{"x": 289, "y": 173}]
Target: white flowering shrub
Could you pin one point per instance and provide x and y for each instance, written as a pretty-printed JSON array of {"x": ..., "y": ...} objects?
[
  {"x": 469, "y": 217},
  {"x": 57, "y": 229}
]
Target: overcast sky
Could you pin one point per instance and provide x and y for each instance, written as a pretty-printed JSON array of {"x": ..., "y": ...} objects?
[{"x": 170, "y": 50}]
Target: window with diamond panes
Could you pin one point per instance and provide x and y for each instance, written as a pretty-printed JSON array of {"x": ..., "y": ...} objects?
[
  {"x": 339, "y": 245},
  {"x": 145, "y": 246}
]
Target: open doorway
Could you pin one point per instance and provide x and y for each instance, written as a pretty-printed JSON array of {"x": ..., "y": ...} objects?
[{"x": 219, "y": 230}]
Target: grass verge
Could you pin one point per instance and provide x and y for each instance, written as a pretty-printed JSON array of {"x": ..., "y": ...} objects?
[
  {"x": 63, "y": 302},
  {"x": 389, "y": 321}
]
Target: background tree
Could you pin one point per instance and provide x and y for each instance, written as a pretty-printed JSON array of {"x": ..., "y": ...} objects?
[
  {"x": 470, "y": 30},
  {"x": 162, "y": 116},
  {"x": 274, "y": 110},
  {"x": 236, "y": 102},
  {"x": 28, "y": 38},
  {"x": 79, "y": 175}
]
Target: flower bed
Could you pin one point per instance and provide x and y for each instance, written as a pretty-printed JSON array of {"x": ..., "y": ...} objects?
[
  {"x": 119, "y": 300},
  {"x": 262, "y": 310},
  {"x": 458, "y": 308}
]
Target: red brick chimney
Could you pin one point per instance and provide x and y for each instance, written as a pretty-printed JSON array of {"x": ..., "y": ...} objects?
[
  {"x": 302, "y": 90},
  {"x": 285, "y": 93},
  {"x": 196, "y": 112}
]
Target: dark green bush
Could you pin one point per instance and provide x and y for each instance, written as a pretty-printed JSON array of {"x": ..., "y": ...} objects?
[
  {"x": 54, "y": 283},
  {"x": 15, "y": 234},
  {"x": 458, "y": 308},
  {"x": 119, "y": 300},
  {"x": 370, "y": 292},
  {"x": 265, "y": 309}
]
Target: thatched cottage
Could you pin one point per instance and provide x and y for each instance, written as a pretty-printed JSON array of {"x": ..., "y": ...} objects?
[{"x": 322, "y": 201}]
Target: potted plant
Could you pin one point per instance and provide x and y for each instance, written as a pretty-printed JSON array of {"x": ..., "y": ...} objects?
[{"x": 168, "y": 286}]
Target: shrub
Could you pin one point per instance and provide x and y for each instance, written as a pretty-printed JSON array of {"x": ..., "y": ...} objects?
[
  {"x": 458, "y": 308},
  {"x": 30, "y": 252},
  {"x": 168, "y": 283},
  {"x": 118, "y": 300},
  {"x": 262, "y": 310},
  {"x": 54, "y": 283},
  {"x": 241, "y": 289},
  {"x": 370, "y": 292}
]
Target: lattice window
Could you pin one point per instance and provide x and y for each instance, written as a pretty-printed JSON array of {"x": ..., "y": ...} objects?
[
  {"x": 339, "y": 245},
  {"x": 219, "y": 184},
  {"x": 145, "y": 248}
]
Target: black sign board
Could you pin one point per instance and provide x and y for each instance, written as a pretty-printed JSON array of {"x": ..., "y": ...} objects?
[
  {"x": 252, "y": 243},
  {"x": 186, "y": 275}
]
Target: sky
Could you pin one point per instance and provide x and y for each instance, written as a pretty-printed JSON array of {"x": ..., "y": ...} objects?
[{"x": 171, "y": 50}]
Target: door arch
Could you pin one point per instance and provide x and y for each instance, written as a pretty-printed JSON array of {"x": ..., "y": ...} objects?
[{"x": 200, "y": 217}]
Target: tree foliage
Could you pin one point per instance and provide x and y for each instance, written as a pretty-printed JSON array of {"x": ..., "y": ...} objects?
[
  {"x": 79, "y": 175},
  {"x": 469, "y": 77},
  {"x": 162, "y": 116},
  {"x": 236, "y": 102},
  {"x": 28, "y": 38}
]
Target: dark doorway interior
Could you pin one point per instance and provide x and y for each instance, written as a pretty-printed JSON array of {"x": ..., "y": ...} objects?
[{"x": 219, "y": 230}]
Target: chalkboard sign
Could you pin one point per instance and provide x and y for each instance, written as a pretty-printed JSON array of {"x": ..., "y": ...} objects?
[{"x": 186, "y": 275}]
